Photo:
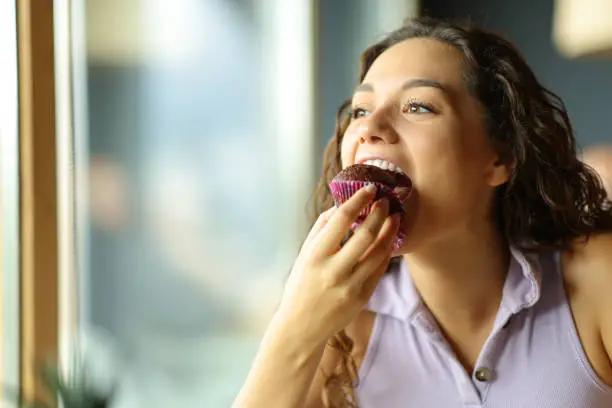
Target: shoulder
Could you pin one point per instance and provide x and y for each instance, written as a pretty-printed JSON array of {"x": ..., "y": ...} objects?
[
  {"x": 587, "y": 274},
  {"x": 587, "y": 270},
  {"x": 589, "y": 261}
]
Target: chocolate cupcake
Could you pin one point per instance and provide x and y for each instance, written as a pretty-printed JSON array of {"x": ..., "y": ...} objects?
[{"x": 394, "y": 186}]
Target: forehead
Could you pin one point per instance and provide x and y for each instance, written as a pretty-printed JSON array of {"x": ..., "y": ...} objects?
[{"x": 424, "y": 58}]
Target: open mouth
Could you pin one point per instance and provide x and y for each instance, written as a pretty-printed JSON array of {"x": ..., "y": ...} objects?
[
  {"x": 401, "y": 179},
  {"x": 384, "y": 164},
  {"x": 391, "y": 183}
]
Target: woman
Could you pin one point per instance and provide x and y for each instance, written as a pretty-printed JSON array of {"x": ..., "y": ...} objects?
[{"x": 498, "y": 298}]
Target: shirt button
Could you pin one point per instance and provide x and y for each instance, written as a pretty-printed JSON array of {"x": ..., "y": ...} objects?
[{"x": 483, "y": 374}]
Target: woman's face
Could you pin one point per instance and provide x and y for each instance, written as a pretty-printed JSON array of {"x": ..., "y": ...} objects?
[{"x": 412, "y": 109}]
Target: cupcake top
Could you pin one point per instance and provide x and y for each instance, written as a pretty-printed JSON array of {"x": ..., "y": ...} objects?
[{"x": 373, "y": 174}]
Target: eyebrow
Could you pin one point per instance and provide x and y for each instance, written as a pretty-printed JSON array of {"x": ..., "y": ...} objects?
[{"x": 413, "y": 83}]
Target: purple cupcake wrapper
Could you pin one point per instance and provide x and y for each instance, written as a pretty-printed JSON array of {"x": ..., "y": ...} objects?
[{"x": 343, "y": 190}]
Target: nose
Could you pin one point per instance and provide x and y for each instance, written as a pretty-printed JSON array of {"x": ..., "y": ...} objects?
[{"x": 375, "y": 129}]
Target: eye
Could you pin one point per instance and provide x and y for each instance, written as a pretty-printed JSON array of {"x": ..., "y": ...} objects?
[
  {"x": 357, "y": 113},
  {"x": 418, "y": 108}
]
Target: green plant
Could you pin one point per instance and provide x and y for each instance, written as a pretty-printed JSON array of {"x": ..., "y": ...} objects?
[{"x": 70, "y": 391}]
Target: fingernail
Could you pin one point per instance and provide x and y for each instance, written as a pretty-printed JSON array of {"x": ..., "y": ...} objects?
[{"x": 370, "y": 188}]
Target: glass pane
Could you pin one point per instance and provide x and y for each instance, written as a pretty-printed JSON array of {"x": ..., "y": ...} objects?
[
  {"x": 9, "y": 196},
  {"x": 195, "y": 143},
  {"x": 182, "y": 251}
]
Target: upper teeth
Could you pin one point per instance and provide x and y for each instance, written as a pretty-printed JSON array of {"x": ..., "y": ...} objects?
[{"x": 385, "y": 165}]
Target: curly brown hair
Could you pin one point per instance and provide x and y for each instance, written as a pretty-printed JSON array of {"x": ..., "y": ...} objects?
[{"x": 551, "y": 199}]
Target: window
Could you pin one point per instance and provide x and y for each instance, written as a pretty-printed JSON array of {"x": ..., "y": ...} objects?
[
  {"x": 188, "y": 148},
  {"x": 9, "y": 195},
  {"x": 190, "y": 155}
]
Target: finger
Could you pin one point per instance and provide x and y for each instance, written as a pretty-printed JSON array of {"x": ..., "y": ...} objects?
[
  {"x": 339, "y": 224},
  {"x": 319, "y": 224},
  {"x": 365, "y": 273},
  {"x": 367, "y": 234},
  {"x": 369, "y": 285},
  {"x": 383, "y": 235}
]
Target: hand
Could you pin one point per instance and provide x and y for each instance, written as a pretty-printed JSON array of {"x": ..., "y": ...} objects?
[{"x": 329, "y": 285}]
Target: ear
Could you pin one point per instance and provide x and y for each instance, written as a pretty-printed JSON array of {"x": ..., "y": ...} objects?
[{"x": 499, "y": 171}]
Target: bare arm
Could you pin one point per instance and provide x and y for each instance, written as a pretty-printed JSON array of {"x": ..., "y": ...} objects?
[
  {"x": 282, "y": 372},
  {"x": 326, "y": 291},
  {"x": 306, "y": 371}
]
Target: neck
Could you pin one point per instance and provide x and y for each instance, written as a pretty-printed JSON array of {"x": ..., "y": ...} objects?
[{"x": 461, "y": 280}]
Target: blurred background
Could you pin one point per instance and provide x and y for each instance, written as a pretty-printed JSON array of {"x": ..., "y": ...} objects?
[
  {"x": 197, "y": 148},
  {"x": 199, "y": 143},
  {"x": 191, "y": 135}
]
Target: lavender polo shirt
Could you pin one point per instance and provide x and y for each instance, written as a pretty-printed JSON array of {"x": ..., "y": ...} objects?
[{"x": 533, "y": 357}]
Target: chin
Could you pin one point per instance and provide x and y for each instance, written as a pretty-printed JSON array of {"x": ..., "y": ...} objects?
[{"x": 406, "y": 248}]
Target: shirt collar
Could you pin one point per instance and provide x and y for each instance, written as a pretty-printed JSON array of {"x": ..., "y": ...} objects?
[{"x": 396, "y": 295}]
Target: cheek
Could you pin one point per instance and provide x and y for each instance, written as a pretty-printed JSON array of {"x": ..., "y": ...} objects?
[
  {"x": 435, "y": 152},
  {"x": 444, "y": 165},
  {"x": 450, "y": 180},
  {"x": 348, "y": 147},
  {"x": 345, "y": 159}
]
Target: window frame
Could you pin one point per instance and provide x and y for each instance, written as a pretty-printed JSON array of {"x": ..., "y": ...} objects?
[{"x": 38, "y": 192}]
